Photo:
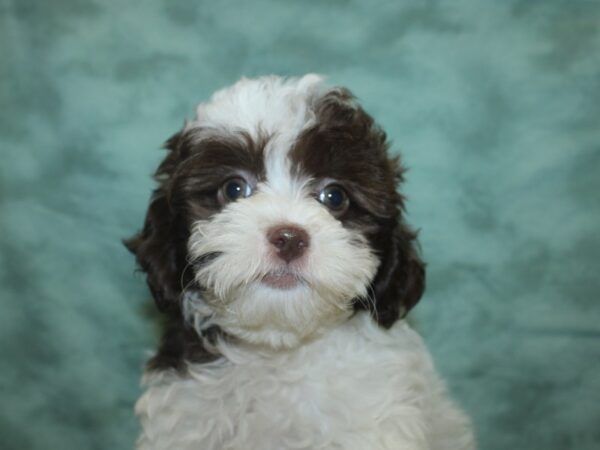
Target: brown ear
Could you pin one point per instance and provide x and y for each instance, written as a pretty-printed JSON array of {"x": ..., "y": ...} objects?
[
  {"x": 400, "y": 281},
  {"x": 160, "y": 247}
]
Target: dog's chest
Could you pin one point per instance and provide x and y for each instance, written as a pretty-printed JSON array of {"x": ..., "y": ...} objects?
[{"x": 354, "y": 388}]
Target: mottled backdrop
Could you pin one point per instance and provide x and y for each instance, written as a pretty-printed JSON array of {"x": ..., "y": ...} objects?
[{"x": 495, "y": 106}]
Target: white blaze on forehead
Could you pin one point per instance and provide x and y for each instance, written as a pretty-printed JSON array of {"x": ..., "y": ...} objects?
[
  {"x": 278, "y": 166},
  {"x": 270, "y": 106}
]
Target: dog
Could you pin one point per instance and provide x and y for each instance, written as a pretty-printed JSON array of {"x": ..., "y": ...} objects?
[{"x": 276, "y": 248}]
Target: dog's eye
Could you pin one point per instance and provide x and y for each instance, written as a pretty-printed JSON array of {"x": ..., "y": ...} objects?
[
  {"x": 234, "y": 189},
  {"x": 335, "y": 198}
]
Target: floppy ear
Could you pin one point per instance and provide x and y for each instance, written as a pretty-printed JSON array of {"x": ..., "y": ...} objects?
[
  {"x": 400, "y": 281},
  {"x": 160, "y": 247}
]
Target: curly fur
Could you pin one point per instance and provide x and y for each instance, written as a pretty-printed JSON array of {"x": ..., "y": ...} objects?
[{"x": 327, "y": 363}]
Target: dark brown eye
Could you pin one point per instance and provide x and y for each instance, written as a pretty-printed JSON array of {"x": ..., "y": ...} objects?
[
  {"x": 335, "y": 198},
  {"x": 234, "y": 189}
]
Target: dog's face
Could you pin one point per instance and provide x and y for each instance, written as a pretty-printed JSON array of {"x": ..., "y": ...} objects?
[{"x": 277, "y": 206}]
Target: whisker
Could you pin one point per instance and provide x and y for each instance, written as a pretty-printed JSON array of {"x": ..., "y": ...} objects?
[
  {"x": 195, "y": 263},
  {"x": 368, "y": 302},
  {"x": 204, "y": 259},
  {"x": 183, "y": 288}
]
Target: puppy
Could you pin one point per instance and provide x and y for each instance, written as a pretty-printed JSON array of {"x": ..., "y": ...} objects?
[{"x": 276, "y": 248}]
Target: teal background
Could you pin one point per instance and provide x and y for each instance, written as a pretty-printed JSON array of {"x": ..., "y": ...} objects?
[{"x": 494, "y": 105}]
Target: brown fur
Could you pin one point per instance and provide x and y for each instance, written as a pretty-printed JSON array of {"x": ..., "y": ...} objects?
[
  {"x": 348, "y": 146},
  {"x": 345, "y": 145}
]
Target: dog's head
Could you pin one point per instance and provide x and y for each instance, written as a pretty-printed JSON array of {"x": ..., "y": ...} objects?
[{"x": 277, "y": 206}]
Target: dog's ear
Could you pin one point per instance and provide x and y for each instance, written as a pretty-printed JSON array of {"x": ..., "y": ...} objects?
[
  {"x": 400, "y": 281},
  {"x": 160, "y": 247}
]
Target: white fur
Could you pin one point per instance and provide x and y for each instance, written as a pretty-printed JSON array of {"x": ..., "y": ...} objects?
[
  {"x": 339, "y": 264},
  {"x": 302, "y": 372},
  {"x": 358, "y": 387},
  {"x": 269, "y": 104},
  {"x": 338, "y": 267}
]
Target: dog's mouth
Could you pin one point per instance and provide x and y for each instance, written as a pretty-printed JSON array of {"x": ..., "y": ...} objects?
[{"x": 282, "y": 280}]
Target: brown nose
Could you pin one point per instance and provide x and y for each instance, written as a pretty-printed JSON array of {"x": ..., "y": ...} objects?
[{"x": 290, "y": 241}]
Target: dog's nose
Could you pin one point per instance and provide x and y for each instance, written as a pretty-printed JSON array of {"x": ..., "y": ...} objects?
[{"x": 290, "y": 241}]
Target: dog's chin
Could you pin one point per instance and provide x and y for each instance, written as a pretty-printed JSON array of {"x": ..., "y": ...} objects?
[{"x": 281, "y": 310}]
